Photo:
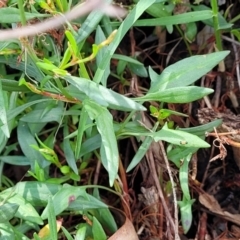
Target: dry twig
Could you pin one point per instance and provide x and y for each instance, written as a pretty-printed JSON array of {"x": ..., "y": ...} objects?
[{"x": 56, "y": 22}]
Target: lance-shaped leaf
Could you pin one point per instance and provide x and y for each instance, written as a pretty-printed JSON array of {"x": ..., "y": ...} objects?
[
  {"x": 177, "y": 95},
  {"x": 109, "y": 149},
  {"x": 180, "y": 138}
]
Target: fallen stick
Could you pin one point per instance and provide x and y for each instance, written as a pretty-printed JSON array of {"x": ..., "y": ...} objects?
[{"x": 56, "y": 22}]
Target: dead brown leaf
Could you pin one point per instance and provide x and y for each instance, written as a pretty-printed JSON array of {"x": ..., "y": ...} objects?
[
  {"x": 126, "y": 232},
  {"x": 211, "y": 203}
]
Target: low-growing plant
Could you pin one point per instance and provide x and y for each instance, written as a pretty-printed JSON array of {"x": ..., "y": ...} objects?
[{"x": 59, "y": 101}]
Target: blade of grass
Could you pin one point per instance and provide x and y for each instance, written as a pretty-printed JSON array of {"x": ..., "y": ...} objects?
[
  {"x": 11, "y": 15},
  {"x": 52, "y": 221},
  {"x": 80, "y": 131},
  {"x": 68, "y": 152},
  {"x": 3, "y": 111},
  {"x": 68, "y": 235},
  {"x": 175, "y": 19},
  {"x": 98, "y": 232},
  {"x": 89, "y": 26},
  {"x": 100, "y": 37},
  {"x": 142, "y": 150},
  {"x": 137, "y": 11},
  {"x": 109, "y": 149}
]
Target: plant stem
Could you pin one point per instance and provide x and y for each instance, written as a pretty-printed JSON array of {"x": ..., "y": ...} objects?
[
  {"x": 235, "y": 19},
  {"x": 22, "y": 13},
  {"x": 184, "y": 39},
  {"x": 214, "y": 5}
]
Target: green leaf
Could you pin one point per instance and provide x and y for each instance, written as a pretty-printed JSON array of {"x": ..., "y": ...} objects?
[
  {"x": 25, "y": 210},
  {"x": 236, "y": 34},
  {"x": 135, "y": 13},
  {"x": 8, "y": 232},
  {"x": 139, "y": 70},
  {"x": 72, "y": 42},
  {"x": 186, "y": 204},
  {"x": 46, "y": 66},
  {"x": 101, "y": 95},
  {"x": 66, "y": 57},
  {"x": 36, "y": 237},
  {"x": 191, "y": 32},
  {"x": 37, "y": 173},
  {"x": 180, "y": 138},
  {"x": 13, "y": 86},
  {"x": 183, "y": 176},
  {"x": 63, "y": 198},
  {"x": 165, "y": 113},
  {"x": 86, "y": 203},
  {"x": 132, "y": 128},
  {"x": 48, "y": 153},
  {"x": 89, "y": 25},
  {"x": 52, "y": 220},
  {"x": 15, "y": 160},
  {"x": 29, "y": 68},
  {"x": 95, "y": 49},
  {"x": 36, "y": 193},
  {"x": 68, "y": 152},
  {"x": 99, "y": 38},
  {"x": 44, "y": 115},
  {"x": 141, "y": 151},
  {"x": 80, "y": 131},
  {"x": 186, "y": 71},
  {"x": 109, "y": 149},
  {"x": 81, "y": 231},
  {"x": 175, "y": 19},
  {"x": 178, "y": 153},
  {"x": 177, "y": 95},
  {"x": 68, "y": 235},
  {"x": 186, "y": 213},
  {"x": 104, "y": 215},
  {"x": 97, "y": 230},
  {"x": 223, "y": 24},
  {"x": 60, "y": 72},
  {"x": 11, "y": 15},
  {"x": 26, "y": 139},
  {"x": 89, "y": 88},
  {"x": 202, "y": 129},
  {"x": 7, "y": 211},
  {"x": 90, "y": 145},
  {"x": 3, "y": 111},
  {"x": 159, "y": 9},
  {"x": 16, "y": 111},
  {"x": 155, "y": 78},
  {"x": 127, "y": 59}
]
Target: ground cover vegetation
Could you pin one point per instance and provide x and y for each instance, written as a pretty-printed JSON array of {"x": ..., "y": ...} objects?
[{"x": 104, "y": 121}]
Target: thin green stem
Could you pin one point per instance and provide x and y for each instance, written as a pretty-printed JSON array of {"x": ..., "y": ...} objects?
[
  {"x": 129, "y": 117},
  {"x": 22, "y": 13},
  {"x": 214, "y": 5},
  {"x": 235, "y": 19},
  {"x": 184, "y": 39}
]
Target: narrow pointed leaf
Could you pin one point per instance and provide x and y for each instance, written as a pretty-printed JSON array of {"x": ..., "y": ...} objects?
[
  {"x": 186, "y": 71},
  {"x": 180, "y": 138},
  {"x": 177, "y": 95},
  {"x": 109, "y": 149}
]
